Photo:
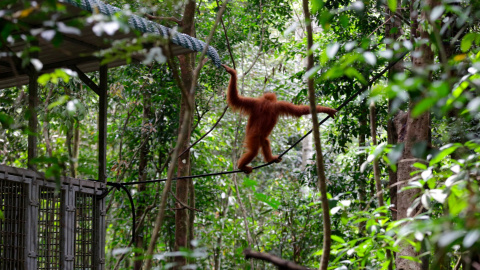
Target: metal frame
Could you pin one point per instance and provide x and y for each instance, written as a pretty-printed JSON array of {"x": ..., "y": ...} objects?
[{"x": 63, "y": 230}]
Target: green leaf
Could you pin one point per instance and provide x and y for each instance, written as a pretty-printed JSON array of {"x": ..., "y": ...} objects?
[
  {"x": 423, "y": 106},
  {"x": 60, "y": 101},
  {"x": 445, "y": 152},
  {"x": 467, "y": 42},
  {"x": 6, "y": 120},
  {"x": 410, "y": 258},
  {"x": 317, "y": 5},
  {"x": 456, "y": 204},
  {"x": 247, "y": 182},
  {"x": 420, "y": 165},
  {"x": 43, "y": 79},
  {"x": 338, "y": 239},
  {"x": 352, "y": 72},
  {"x": 268, "y": 200},
  {"x": 392, "y": 5}
]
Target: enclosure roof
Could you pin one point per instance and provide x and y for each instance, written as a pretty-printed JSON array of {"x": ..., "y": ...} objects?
[{"x": 78, "y": 49}]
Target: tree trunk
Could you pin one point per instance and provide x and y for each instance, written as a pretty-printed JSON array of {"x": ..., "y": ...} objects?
[
  {"x": 417, "y": 131},
  {"x": 142, "y": 174},
  {"x": 181, "y": 214},
  {"x": 182, "y": 220},
  {"x": 393, "y": 30}
]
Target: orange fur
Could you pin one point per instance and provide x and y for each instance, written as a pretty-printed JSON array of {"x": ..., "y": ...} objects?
[{"x": 263, "y": 116}]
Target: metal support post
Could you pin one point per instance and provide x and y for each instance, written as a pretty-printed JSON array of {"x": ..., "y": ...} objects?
[{"x": 102, "y": 125}]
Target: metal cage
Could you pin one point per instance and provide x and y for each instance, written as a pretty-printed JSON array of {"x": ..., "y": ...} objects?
[{"x": 44, "y": 227}]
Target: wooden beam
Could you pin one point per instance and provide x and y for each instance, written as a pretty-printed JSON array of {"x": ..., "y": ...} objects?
[
  {"x": 51, "y": 66},
  {"x": 86, "y": 79},
  {"x": 82, "y": 43},
  {"x": 102, "y": 125}
]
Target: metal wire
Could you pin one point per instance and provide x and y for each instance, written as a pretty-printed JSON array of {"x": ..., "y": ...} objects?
[{"x": 12, "y": 226}]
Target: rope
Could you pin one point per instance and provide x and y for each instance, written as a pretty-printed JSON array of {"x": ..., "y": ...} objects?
[{"x": 348, "y": 100}]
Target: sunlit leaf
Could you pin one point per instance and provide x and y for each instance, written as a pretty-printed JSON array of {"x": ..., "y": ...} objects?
[
  {"x": 337, "y": 239},
  {"x": 370, "y": 58},
  {"x": 449, "y": 237},
  {"x": 474, "y": 104},
  {"x": 332, "y": 50},
  {"x": 392, "y": 5},
  {"x": 317, "y": 5},
  {"x": 445, "y": 152},
  {"x": 438, "y": 195},
  {"x": 420, "y": 165},
  {"x": 48, "y": 34},
  {"x": 358, "y": 6},
  {"x": 426, "y": 200},
  {"x": 60, "y": 101},
  {"x": 471, "y": 238},
  {"x": 37, "y": 64},
  {"x": 437, "y": 11},
  {"x": 426, "y": 174},
  {"x": 335, "y": 210},
  {"x": 467, "y": 42}
]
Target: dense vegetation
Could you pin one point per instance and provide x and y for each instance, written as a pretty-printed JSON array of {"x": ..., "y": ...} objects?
[{"x": 427, "y": 111}]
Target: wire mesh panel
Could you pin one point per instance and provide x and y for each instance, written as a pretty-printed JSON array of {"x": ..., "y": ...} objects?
[
  {"x": 44, "y": 227},
  {"x": 12, "y": 226},
  {"x": 84, "y": 230},
  {"x": 49, "y": 229}
]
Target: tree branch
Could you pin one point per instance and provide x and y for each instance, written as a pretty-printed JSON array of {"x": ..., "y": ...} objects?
[
  {"x": 172, "y": 19},
  {"x": 279, "y": 262}
]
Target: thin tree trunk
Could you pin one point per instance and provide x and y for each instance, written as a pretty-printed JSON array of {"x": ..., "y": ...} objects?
[
  {"x": 46, "y": 133},
  {"x": 168, "y": 184},
  {"x": 376, "y": 166},
  {"x": 393, "y": 30},
  {"x": 184, "y": 128},
  {"x": 376, "y": 172},
  {"x": 142, "y": 174},
  {"x": 183, "y": 163},
  {"x": 322, "y": 181},
  {"x": 76, "y": 144},
  {"x": 362, "y": 192}
]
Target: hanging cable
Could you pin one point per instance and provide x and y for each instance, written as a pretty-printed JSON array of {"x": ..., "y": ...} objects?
[{"x": 130, "y": 198}]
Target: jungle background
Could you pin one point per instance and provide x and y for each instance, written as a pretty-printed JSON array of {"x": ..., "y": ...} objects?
[{"x": 422, "y": 156}]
